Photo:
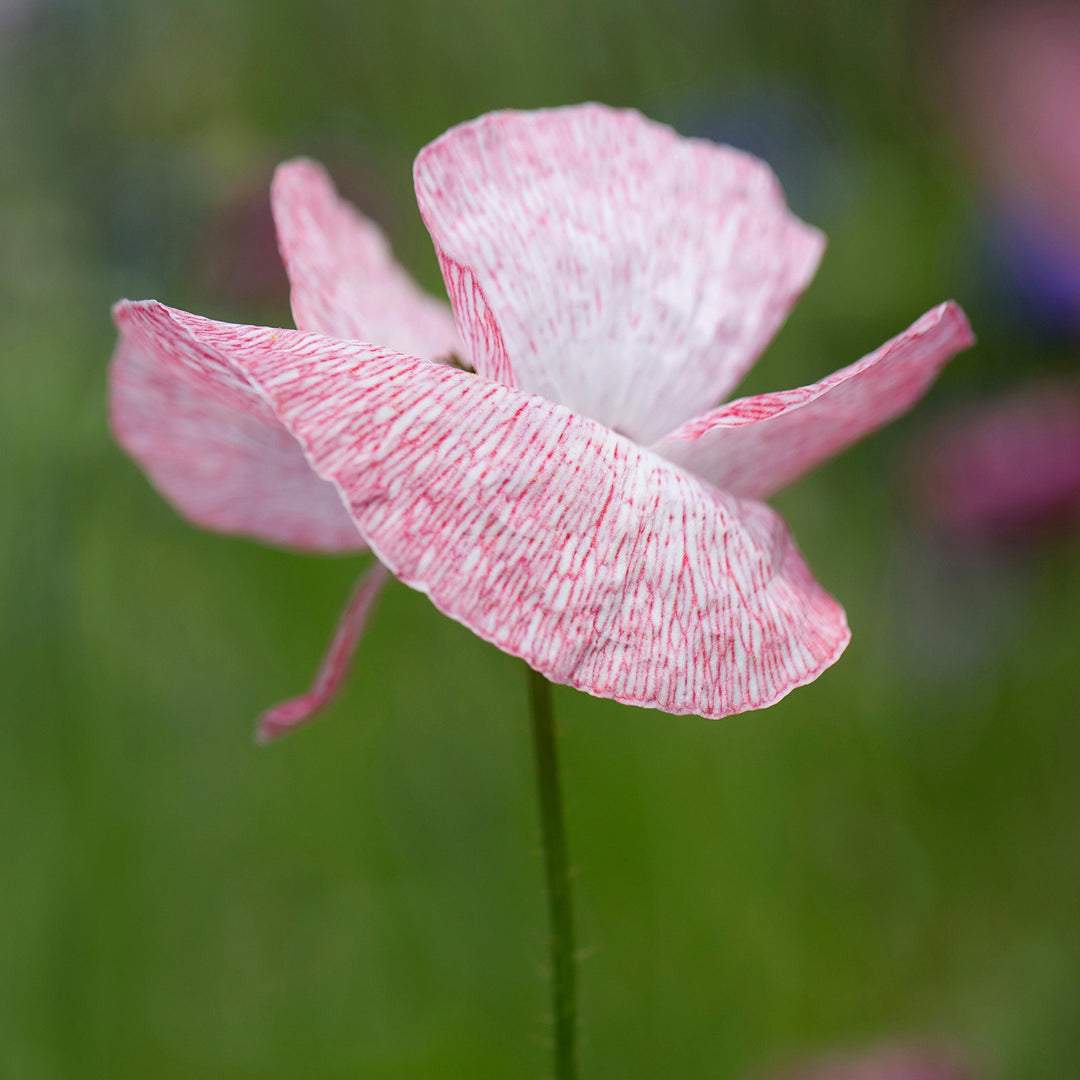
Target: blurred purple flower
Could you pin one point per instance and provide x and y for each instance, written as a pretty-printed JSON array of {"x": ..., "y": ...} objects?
[
  {"x": 1039, "y": 272},
  {"x": 1004, "y": 470}
]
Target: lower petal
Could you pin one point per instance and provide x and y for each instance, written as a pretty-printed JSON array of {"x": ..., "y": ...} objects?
[{"x": 563, "y": 543}]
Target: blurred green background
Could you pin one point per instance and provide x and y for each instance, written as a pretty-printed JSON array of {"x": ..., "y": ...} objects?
[{"x": 890, "y": 853}]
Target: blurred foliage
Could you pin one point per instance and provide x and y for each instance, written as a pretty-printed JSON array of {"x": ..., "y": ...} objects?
[{"x": 889, "y": 852}]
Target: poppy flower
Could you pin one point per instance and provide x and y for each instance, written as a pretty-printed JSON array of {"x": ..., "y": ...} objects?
[{"x": 546, "y": 463}]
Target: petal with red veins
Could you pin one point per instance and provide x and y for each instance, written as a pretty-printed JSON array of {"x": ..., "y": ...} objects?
[
  {"x": 604, "y": 262},
  {"x": 214, "y": 448},
  {"x": 335, "y": 664},
  {"x": 599, "y": 563},
  {"x": 756, "y": 445},
  {"x": 345, "y": 280}
]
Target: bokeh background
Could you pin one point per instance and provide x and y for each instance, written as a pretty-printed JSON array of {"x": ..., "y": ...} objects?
[{"x": 888, "y": 855}]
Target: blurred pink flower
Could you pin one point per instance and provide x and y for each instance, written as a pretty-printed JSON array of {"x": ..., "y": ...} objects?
[
  {"x": 1007, "y": 469},
  {"x": 568, "y": 501},
  {"x": 1013, "y": 75},
  {"x": 895, "y": 1064},
  {"x": 1016, "y": 68}
]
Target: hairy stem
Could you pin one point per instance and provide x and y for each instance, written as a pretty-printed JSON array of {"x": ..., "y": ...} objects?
[{"x": 557, "y": 873}]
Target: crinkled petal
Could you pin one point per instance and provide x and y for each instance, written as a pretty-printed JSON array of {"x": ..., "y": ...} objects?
[
  {"x": 756, "y": 445},
  {"x": 602, "y": 261},
  {"x": 335, "y": 664},
  {"x": 599, "y": 563},
  {"x": 345, "y": 280},
  {"x": 213, "y": 447}
]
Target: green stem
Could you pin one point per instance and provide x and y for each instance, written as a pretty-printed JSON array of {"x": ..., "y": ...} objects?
[{"x": 557, "y": 872}]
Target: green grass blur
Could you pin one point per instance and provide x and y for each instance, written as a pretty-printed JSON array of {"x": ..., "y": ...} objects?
[{"x": 889, "y": 853}]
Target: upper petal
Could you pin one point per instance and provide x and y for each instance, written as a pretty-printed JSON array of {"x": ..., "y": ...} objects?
[
  {"x": 756, "y": 445},
  {"x": 212, "y": 445},
  {"x": 600, "y": 564},
  {"x": 602, "y": 261},
  {"x": 345, "y": 280}
]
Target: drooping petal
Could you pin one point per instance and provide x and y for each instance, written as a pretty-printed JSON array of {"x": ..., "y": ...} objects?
[
  {"x": 556, "y": 539},
  {"x": 602, "y": 261},
  {"x": 214, "y": 448},
  {"x": 335, "y": 663},
  {"x": 756, "y": 445},
  {"x": 345, "y": 280}
]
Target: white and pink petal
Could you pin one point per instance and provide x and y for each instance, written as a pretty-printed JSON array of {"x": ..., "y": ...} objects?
[
  {"x": 756, "y": 445},
  {"x": 345, "y": 281},
  {"x": 561, "y": 542},
  {"x": 602, "y": 261}
]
